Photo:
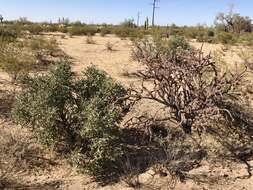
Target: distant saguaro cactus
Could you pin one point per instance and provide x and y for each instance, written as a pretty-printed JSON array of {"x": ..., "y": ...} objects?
[
  {"x": 1, "y": 18},
  {"x": 146, "y": 25}
]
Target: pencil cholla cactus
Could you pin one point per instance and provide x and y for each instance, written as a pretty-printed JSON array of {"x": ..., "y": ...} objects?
[{"x": 195, "y": 103}]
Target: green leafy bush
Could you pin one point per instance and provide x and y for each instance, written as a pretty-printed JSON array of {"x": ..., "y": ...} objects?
[
  {"x": 78, "y": 116},
  {"x": 7, "y": 35},
  {"x": 246, "y": 39},
  {"x": 226, "y": 38},
  {"x": 132, "y": 33},
  {"x": 204, "y": 37},
  {"x": 171, "y": 46},
  {"x": 51, "y": 28},
  {"x": 210, "y": 33},
  {"x": 34, "y": 28},
  {"x": 176, "y": 42},
  {"x": 82, "y": 30},
  {"x": 106, "y": 30}
]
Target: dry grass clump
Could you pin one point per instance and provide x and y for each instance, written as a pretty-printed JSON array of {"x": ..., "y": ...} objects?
[
  {"x": 247, "y": 56},
  {"x": 109, "y": 46},
  {"x": 19, "y": 155},
  {"x": 16, "y": 59},
  {"x": 90, "y": 40}
]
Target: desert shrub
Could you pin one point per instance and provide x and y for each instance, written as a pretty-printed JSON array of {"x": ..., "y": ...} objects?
[
  {"x": 106, "y": 30},
  {"x": 122, "y": 32},
  {"x": 159, "y": 45},
  {"x": 226, "y": 38},
  {"x": 132, "y": 33},
  {"x": 176, "y": 42},
  {"x": 186, "y": 99},
  {"x": 7, "y": 35},
  {"x": 34, "y": 28},
  {"x": 210, "y": 33},
  {"x": 191, "y": 32},
  {"x": 40, "y": 43},
  {"x": 203, "y": 37},
  {"x": 246, "y": 39},
  {"x": 77, "y": 116},
  {"x": 51, "y": 28},
  {"x": 16, "y": 59},
  {"x": 63, "y": 29},
  {"x": 43, "y": 49},
  {"x": 82, "y": 30},
  {"x": 14, "y": 28}
]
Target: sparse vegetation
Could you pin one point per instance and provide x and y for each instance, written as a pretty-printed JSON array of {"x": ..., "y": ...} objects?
[
  {"x": 82, "y": 30},
  {"x": 184, "y": 102}
]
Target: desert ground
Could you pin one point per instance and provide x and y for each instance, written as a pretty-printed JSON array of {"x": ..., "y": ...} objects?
[{"x": 49, "y": 171}]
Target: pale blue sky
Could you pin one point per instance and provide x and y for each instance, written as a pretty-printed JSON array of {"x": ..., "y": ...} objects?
[{"x": 181, "y": 12}]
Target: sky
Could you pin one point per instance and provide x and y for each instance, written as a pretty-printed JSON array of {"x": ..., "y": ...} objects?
[{"x": 180, "y": 12}]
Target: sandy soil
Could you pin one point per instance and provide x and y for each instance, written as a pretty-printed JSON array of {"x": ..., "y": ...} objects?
[{"x": 117, "y": 63}]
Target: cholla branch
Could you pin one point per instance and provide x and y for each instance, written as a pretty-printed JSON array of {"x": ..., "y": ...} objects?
[{"x": 185, "y": 81}]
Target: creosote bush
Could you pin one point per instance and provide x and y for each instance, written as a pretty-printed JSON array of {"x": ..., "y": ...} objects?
[
  {"x": 176, "y": 42},
  {"x": 82, "y": 30},
  {"x": 106, "y": 30},
  {"x": 16, "y": 59},
  {"x": 76, "y": 116},
  {"x": 226, "y": 38},
  {"x": 7, "y": 35}
]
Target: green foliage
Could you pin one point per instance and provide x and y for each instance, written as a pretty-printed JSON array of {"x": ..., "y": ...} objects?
[
  {"x": 35, "y": 29},
  {"x": 226, "y": 38},
  {"x": 233, "y": 22},
  {"x": 210, "y": 33},
  {"x": 16, "y": 59},
  {"x": 146, "y": 24},
  {"x": 171, "y": 46},
  {"x": 7, "y": 35},
  {"x": 176, "y": 42},
  {"x": 246, "y": 39},
  {"x": 132, "y": 33},
  {"x": 206, "y": 37},
  {"x": 80, "y": 114},
  {"x": 158, "y": 46},
  {"x": 106, "y": 30},
  {"x": 43, "y": 44},
  {"x": 128, "y": 23},
  {"x": 83, "y": 30},
  {"x": 51, "y": 28},
  {"x": 63, "y": 29}
]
